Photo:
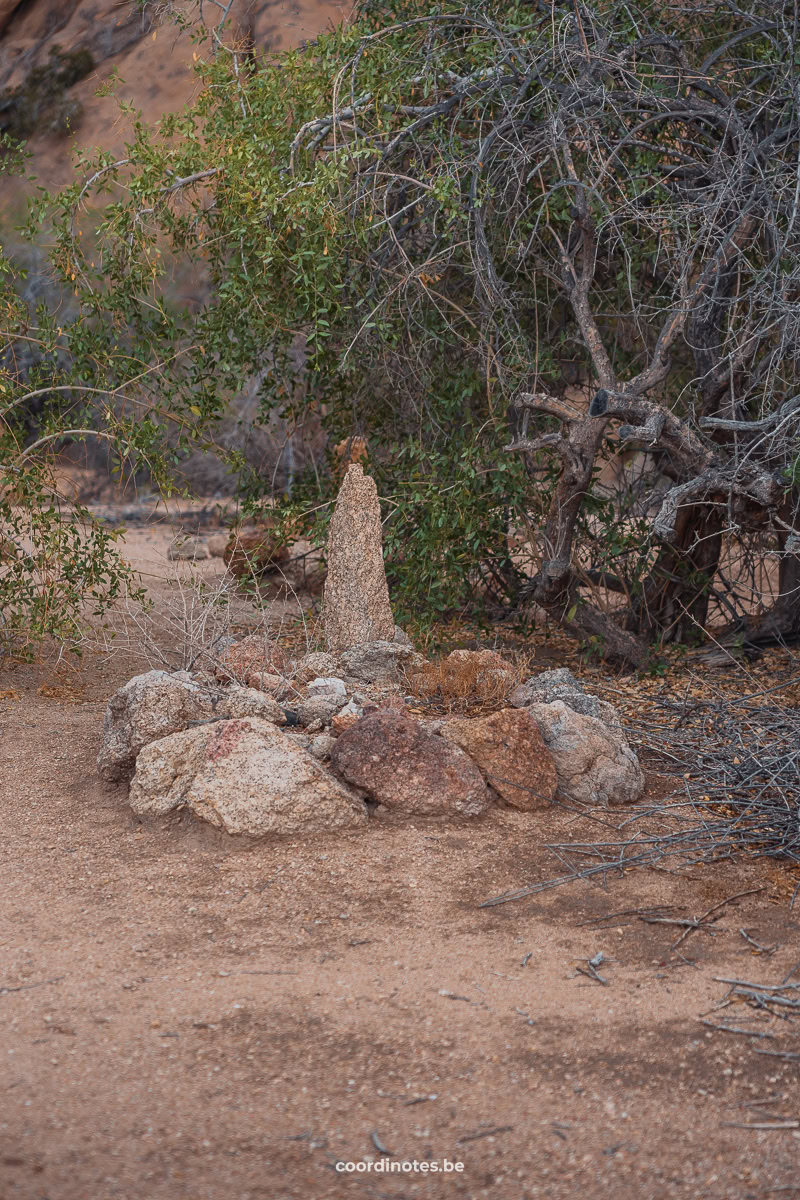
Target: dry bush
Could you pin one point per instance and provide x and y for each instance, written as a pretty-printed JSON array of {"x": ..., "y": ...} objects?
[
  {"x": 735, "y": 762},
  {"x": 463, "y": 682},
  {"x": 191, "y": 623}
]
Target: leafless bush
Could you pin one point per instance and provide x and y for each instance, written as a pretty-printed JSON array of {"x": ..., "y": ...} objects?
[
  {"x": 737, "y": 766},
  {"x": 190, "y": 622}
]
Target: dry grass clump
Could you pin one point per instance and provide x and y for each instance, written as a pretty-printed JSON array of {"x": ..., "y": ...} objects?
[{"x": 466, "y": 681}]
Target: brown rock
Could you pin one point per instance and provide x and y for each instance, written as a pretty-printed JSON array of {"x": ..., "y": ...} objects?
[
  {"x": 313, "y": 665},
  {"x": 357, "y": 605},
  {"x": 342, "y": 721},
  {"x": 236, "y": 702},
  {"x": 399, "y": 765},
  {"x": 561, "y": 684},
  {"x": 346, "y": 717},
  {"x": 377, "y": 662},
  {"x": 509, "y": 751},
  {"x": 253, "y": 654},
  {"x": 266, "y": 681},
  {"x": 150, "y": 707},
  {"x": 317, "y": 709},
  {"x": 255, "y": 551}
]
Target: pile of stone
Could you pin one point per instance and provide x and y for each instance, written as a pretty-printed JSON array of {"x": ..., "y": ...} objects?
[
  {"x": 261, "y": 744},
  {"x": 249, "y": 763}
]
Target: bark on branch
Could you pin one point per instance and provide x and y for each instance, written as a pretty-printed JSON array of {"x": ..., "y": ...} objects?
[{"x": 713, "y": 478}]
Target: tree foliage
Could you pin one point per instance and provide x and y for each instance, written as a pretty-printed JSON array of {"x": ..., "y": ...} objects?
[{"x": 512, "y": 245}]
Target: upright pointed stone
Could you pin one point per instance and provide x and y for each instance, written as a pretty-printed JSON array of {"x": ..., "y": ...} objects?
[{"x": 357, "y": 608}]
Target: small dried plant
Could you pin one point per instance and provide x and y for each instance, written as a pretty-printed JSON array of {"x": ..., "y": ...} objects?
[
  {"x": 465, "y": 684},
  {"x": 191, "y": 623}
]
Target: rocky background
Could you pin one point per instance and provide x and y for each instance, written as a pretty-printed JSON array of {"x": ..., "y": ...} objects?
[
  {"x": 56, "y": 54},
  {"x": 55, "y": 57}
]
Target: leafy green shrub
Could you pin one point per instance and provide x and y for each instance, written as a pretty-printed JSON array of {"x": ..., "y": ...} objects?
[
  {"x": 62, "y": 385},
  {"x": 424, "y": 228}
]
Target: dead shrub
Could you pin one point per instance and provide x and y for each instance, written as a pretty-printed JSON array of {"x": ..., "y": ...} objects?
[{"x": 474, "y": 682}]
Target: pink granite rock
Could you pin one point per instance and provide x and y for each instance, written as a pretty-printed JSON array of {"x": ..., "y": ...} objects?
[{"x": 398, "y": 764}]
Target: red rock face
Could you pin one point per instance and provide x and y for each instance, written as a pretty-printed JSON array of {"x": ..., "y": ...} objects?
[
  {"x": 154, "y": 60},
  {"x": 399, "y": 765},
  {"x": 510, "y": 752}
]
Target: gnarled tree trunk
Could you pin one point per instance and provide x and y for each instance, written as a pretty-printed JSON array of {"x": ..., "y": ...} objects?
[{"x": 674, "y": 603}]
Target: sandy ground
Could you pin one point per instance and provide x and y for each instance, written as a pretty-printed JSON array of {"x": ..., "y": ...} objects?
[{"x": 188, "y": 1016}]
